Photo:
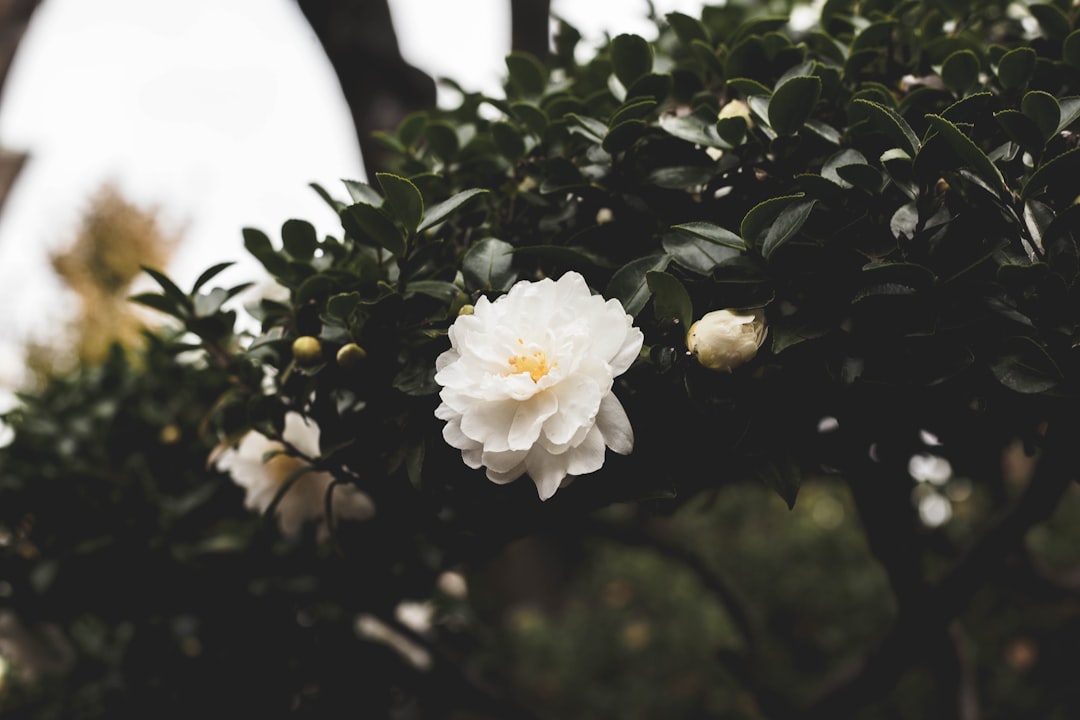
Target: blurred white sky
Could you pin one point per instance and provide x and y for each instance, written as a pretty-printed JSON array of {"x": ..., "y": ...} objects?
[{"x": 218, "y": 112}]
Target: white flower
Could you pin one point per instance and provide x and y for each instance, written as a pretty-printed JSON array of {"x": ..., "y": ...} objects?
[
  {"x": 736, "y": 108},
  {"x": 724, "y": 339},
  {"x": 306, "y": 500},
  {"x": 527, "y": 382}
]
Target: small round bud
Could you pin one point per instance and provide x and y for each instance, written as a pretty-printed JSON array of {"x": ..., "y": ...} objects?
[
  {"x": 307, "y": 350},
  {"x": 724, "y": 339},
  {"x": 466, "y": 310},
  {"x": 170, "y": 434},
  {"x": 736, "y": 108},
  {"x": 350, "y": 355}
]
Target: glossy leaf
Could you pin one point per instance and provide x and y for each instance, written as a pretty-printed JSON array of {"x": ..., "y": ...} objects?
[
  {"x": 366, "y": 222},
  {"x": 440, "y": 211},
  {"x": 404, "y": 199},
  {"x": 968, "y": 151},
  {"x": 960, "y": 71},
  {"x": 488, "y": 265},
  {"x": 888, "y": 121},
  {"x": 299, "y": 239},
  {"x": 1044, "y": 110},
  {"x": 629, "y": 286},
  {"x": 793, "y": 102},
  {"x": 1016, "y": 68},
  {"x": 631, "y": 58},
  {"x": 670, "y": 299},
  {"x": 1024, "y": 366}
]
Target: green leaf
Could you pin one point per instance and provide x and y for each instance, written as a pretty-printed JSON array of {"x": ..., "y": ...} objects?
[
  {"x": 256, "y": 243},
  {"x": 336, "y": 205},
  {"x": 1070, "y": 111},
  {"x": 628, "y": 285},
  {"x": 623, "y": 135},
  {"x": 695, "y": 252},
  {"x": 404, "y": 199},
  {"x": 1070, "y": 50},
  {"x": 528, "y": 76},
  {"x": 960, "y": 71},
  {"x": 756, "y": 223},
  {"x": 171, "y": 290},
  {"x": 786, "y": 226},
  {"x": 1054, "y": 23},
  {"x": 1043, "y": 108},
  {"x": 748, "y": 87},
  {"x": 632, "y": 110},
  {"x": 160, "y": 303},
  {"x": 969, "y": 109},
  {"x": 694, "y": 129},
  {"x": 340, "y": 306},
  {"x": 488, "y": 265},
  {"x": 862, "y": 176},
  {"x": 442, "y": 140},
  {"x": 209, "y": 275},
  {"x": 1016, "y": 67},
  {"x": 362, "y": 192},
  {"x": 687, "y": 28},
  {"x": 1061, "y": 169},
  {"x": 299, "y": 239},
  {"x": 631, "y": 58},
  {"x": 969, "y": 152},
  {"x": 793, "y": 102},
  {"x": 440, "y": 211},
  {"x": 656, "y": 86},
  {"x": 367, "y": 222},
  {"x": 591, "y": 128},
  {"x": 1024, "y": 366},
  {"x": 713, "y": 233},
  {"x": 1021, "y": 129},
  {"x": 846, "y": 156},
  {"x": 440, "y": 290},
  {"x": 889, "y": 122},
  {"x": 532, "y": 117},
  {"x": 508, "y": 139},
  {"x": 670, "y": 299}
]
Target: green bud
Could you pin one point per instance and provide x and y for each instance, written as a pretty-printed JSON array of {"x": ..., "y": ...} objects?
[
  {"x": 350, "y": 355},
  {"x": 307, "y": 350}
]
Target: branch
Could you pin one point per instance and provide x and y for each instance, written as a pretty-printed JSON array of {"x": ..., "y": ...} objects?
[{"x": 928, "y": 613}]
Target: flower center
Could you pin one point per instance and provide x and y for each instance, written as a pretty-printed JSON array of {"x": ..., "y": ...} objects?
[{"x": 536, "y": 365}]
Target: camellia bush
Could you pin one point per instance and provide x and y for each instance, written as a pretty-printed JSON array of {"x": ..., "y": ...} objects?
[{"x": 742, "y": 252}]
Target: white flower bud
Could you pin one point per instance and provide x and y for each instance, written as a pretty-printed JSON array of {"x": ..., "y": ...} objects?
[{"x": 724, "y": 339}]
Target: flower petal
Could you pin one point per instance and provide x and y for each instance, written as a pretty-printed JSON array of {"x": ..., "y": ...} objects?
[
  {"x": 615, "y": 425},
  {"x": 529, "y": 420},
  {"x": 546, "y": 470}
]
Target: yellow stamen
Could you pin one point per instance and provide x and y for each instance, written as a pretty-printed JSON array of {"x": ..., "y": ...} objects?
[{"x": 536, "y": 365}]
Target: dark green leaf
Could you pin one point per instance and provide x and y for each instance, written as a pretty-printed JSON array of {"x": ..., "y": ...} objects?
[
  {"x": 340, "y": 306},
  {"x": 783, "y": 477},
  {"x": 591, "y": 128},
  {"x": 889, "y": 122},
  {"x": 171, "y": 290},
  {"x": 713, "y": 233},
  {"x": 1070, "y": 111},
  {"x": 969, "y": 109},
  {"x": 756, "y": 223},
  {"x": 960, "y": 71},
  {"x": 846, "y": 156},
  {"x": 368, "y": 223},
  {"x": 670, "y": 299},
  {"x": 1070, "y": 50},
  {"x": 488, "y": 265},
  {"x": 362, "y": 192},
  {"x": 969, "y": 152},
  {"x": 693, "y": 128},
  {"x": 1061, "y": 169},
  {"x": 631, "y": 58},
  {"x": 440, "y": 211},
  {"x": 528, "y": 76},
  {"x": 732, "y": 129},
  {"x": 260, "y": 247},
  {"x": 508, "y": 139},
  {"x": 209, "y": 275},
  {"x": 1021, "y": 130},
  {"x": 336, "y": 205},
  {"x": 656, "y": 86},
  {"x": 793, "y": 102},
  {"x": 623, "y": 135},
  {"x": 687, "y": 28},
  {"x": 532, "y": 117},
  {"x": 1043, "y": 108},
  {"x": 160, "y": 303},
  {"x": 404, "y": 199},
  {"x": 628, "y": 285},
  {"x": 443, "y": 291},
  {"x": 1016, "y": 67},
  {"x": 1054, "y": 23},
  {"x": 443, "y": 140},
  {"x": 632, "y": 110},
  {"x": 299, "y": 239},
  {"x": 905, "y": 221},
  {"x": 748, "y": 87},
  {"x": 786, "y": 226},
  {"x": 696, "y": 253},
  {"x": 1024, "y": 366}
]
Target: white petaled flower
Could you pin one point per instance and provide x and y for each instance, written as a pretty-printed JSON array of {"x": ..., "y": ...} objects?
[
  {"x": 526, "y": 383},
  {"x": 305, "y": 500},
  {"x": 724, "y": 339}
]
